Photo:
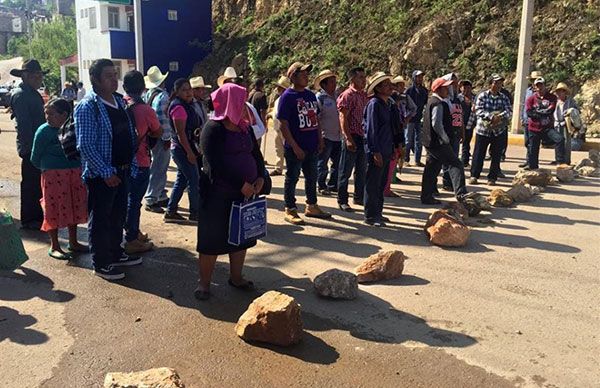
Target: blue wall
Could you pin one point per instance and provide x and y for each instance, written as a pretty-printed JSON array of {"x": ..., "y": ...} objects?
[
  {"x": 122, "y": 44},
  {"x": 187, "y": 40}
]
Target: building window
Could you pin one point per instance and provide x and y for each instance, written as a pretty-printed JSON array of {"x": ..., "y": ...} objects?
[
  {"x": 114, "y": 17},
  {"x": 81, "y": 14},
  {"x": 173, "y": 66},
  {"x": 92, "y": 17},
  {"x": 172, "y": 15},
  {"x": 85, "y": 13}
]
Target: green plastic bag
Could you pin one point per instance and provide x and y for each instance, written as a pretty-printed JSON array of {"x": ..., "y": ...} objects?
[{"x": 12, "y": 251}]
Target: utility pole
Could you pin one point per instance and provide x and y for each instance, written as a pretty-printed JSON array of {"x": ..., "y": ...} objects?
[
  {"x": 522, "y": 62},
  {"x": 139, "y": 44},
  {"x": 29, "y": 32}
]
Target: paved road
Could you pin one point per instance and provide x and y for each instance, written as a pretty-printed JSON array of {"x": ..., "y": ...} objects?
[{"x": 517, "y": 306}]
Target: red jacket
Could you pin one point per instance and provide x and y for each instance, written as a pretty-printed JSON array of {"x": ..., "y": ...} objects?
[{"x": 540, "y": 111}]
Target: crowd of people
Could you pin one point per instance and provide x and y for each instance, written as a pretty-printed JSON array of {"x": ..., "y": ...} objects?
[{"x": 330, "y": 130}]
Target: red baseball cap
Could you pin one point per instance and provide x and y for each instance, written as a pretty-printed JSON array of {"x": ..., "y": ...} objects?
[{"x": 439, "y": 82}]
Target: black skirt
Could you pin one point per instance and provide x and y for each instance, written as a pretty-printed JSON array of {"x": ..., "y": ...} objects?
[{"x": 213, "y": 225}]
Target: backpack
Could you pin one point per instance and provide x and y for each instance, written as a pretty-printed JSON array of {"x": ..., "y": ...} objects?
[
  {"x": 152, "y": 140},
  {"x": 68, "y": 138}
]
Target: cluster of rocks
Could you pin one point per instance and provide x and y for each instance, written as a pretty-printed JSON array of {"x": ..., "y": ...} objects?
[
  {"x": 151, "y": 378},
  {"x": 590, "y": 166},
  {"x": 447, "y": 227}
]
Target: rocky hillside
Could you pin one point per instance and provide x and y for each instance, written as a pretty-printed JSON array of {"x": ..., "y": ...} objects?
[{"x": 473, "y": 38}]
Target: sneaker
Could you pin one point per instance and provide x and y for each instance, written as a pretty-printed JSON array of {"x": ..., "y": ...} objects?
[
  {"x": 375, "y": 223},
  {"x": 137, "y": 246},
  {"x": 473, "y": 181},
  {"x": 154, "y": 208},
  {"x": 345, "y": 207},
  {"x": 193, "y": 217},
  {"x": 491, "y": 183},
  {"x": 276, "y": 173},
  {"x": 291, "y": 216},
  {"x": 315, "y": 212},
  {"x": 324, "y": 192},
  {"x": 173, "y": 217},
  {"x": 127, "y": 261},
  {"x": 109, "y": 273},
  {"x": 163, "y": 202}
]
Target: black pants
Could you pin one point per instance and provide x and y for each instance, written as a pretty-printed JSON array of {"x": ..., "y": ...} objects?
[
  {"x": 455, "y": 144},
  {"x": 31, "y": 193},
  {"x": 374, "y": 187},
  {"x": 436, "y": 157},
  {"x": 107, "y": 208},
  {"x": 550, "y": 136},
  {"x": 466, "y": 146},
  {"x": 495, "y": 144}
]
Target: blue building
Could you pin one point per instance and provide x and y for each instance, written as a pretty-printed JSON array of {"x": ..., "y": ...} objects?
[{"x": 176, "y": 34}]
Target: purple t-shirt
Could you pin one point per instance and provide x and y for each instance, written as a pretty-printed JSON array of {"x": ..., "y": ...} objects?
[{"x": 300, "y": 110}]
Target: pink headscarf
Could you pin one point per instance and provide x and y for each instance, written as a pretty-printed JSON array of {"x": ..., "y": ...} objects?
[{"x": 229, "y": 101}]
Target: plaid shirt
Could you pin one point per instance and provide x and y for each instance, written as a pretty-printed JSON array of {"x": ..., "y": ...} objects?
[
  {"x": 160, "y": 104},
  {"x": 94, "y": 137},
  {"x": 355, "y": 102},
  {"x": 486, "y": 106}
]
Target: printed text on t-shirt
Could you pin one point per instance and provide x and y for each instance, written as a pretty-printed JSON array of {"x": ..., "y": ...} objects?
[{"x": 307, "y": 115}]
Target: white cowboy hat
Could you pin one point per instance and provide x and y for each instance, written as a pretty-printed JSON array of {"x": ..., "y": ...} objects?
[
  {"x": 154, "y": 78},
  {"x": 198, "y": 82},
  {"x": 284, "y": 82},
  {"x": 376, "y": 79},
  {"x": 227, "y": 75},
  {"x": 323, "y": 75},
  {"x": 398, "y": 79}
]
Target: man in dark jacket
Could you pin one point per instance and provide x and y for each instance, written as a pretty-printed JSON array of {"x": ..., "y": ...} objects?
[
  {"x": 419, "y": 95},
  {"x": 28, "y": 111},
  {"x": 437, "y": 125}
]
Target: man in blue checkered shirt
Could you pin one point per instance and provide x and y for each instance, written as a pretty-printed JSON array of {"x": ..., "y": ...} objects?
[
  {"x": 107, "y": 142},
  {"x": 493, "y": 111}
]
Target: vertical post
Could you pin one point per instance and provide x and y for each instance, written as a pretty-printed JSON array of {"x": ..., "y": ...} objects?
[
  {"x": 29, "y": 25},
  {"x": 522, "y": 62},
  {"x": 63, "y": 74},
  {"x": 139, "y": 44}
]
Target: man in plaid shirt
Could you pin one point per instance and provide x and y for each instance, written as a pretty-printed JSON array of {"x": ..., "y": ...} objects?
[
  {"x": 106, "y": 141},
  {"x": 493, "y": 111}
]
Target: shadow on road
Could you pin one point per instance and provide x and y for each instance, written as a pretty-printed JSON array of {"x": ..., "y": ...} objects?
[{"x": 14, "y": 327}]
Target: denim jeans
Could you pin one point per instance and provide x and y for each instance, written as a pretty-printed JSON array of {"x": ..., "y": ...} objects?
[
  {"x": 436, "y": 157},
  {"x": 293, "y": 165},
  {"x": 188, "y": 177},
  {"x": 455, "y": 144},
  {"x": 161, "y": 158},
  {"x": 349, "y": 161},
  {"x": 551, "y": 136},
  {"x": 374, "y": 188},
  {"x": 466, "y": 146},
  {"x": 137, "y": 188},
  {"x": 412, "y": 134},
  {"x": 481, "y": 145},
  {"x": 330, "y": 152},
  {"x": 563, "y": 130},
  {"x": 107, "y": 208}
]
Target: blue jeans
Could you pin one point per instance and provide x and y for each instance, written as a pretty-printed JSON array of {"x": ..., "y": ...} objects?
[
  {"x": 455, "y": 144},
  {"x": 495, "y": 143},
  {"x": 349, "y": 161},
  {"x": 332, "y": 151},
  {"x": 187, "y": 176},
  {"x": 137, "y": 188},
  {"x": 308, "y": 166},
  {"x": 161, "y": 157},
  {"x": 374, "y": 188},
  {"x": 107, "y": 208},
  {"x": 412, "y": 134}
]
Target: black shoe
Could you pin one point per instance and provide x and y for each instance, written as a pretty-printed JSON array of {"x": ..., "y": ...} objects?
[
  {"x": 385, "y": 219},
  {"x": 419, "y": 164},
  {"x": 163, "y": 203},
  {"x": 357, "y": 202},
  {"x": 527, "y": 168},
  {"x": 154, "y": 208},
  {"x": 345, "y": 207},
  {"x": 501, "y": 175},
  {"x": 375, "y": 223},
  {"x": 523, "y": 165},
  {"x": 431, "y": 201},
  {"x": 553, "y": 163},
  {"x": 276, "y": 173},
  {"x": 127, "y": 261},
  {"x": 324, "y": 192},
  {"x": 109, "y": 273},
  {"x": 173, "y": 217}
]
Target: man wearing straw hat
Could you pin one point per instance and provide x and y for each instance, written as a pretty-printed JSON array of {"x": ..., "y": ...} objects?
[
  {"x": 281, "y": 85},
  {"x": 564, "y": 108},
  {"x": 229, "y": 75},
  {"x": 201, "y": 98},
  {"x": 329, "y": 120},
  {"x": 28, "y": 111},
  {"x": 157, "y": 97},
  {"x": 530, "y": 90},
  {"x": 379, "y": 145}
]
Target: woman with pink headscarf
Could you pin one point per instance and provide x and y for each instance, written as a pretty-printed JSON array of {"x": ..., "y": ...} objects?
[{"x": 233, "y": 169}]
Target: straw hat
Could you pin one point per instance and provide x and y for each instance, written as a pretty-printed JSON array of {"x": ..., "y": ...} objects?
[
  {"x": 154, "y": 78},
  {"x": 229, "y": 74},
  {"x": 562, "y": 86},
  {"x": 284, "y": 82},
  {"x": 323, "y": 75},
  {"x": 535, "y": 75},
  {"x": 198, "y": 82},
  {"x": 398, "y": 79},
  {"x": 376, "y": 79}
]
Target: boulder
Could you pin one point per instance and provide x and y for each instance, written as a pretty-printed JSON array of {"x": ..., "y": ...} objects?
[
  {"x": 589, "y": 171},
  {"x": 152, "y": 378},
  {"x": 521, "y": 193},
  {"x": 500, "y": 198},
  {"x": 565, "y": 174},
  {"x": 337, "y": 284},
  {"x": 475, "y": 203},
  {"x": 273, "y": 318},
  {"x": 586, "y": 162},
  {"x": 447, "y": 231},
  {"x": 534, "y": 190},
  {"x": 457, "y": 209},
  {"x": 540, "y": 177},
  {"x": 381, "y": 266}
]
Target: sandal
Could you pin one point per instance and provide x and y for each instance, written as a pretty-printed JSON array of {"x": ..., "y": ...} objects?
[
  {"x": 80, "y": 249},
  {"x": 201, "y": 294},
  {"x": 248, "y": 285},
  {"x": 58, "y": 255}
]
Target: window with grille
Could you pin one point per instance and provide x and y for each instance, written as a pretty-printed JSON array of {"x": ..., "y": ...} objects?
[
  {"x": 92, "y": 17},
  {"x": 114, "y": 17}
]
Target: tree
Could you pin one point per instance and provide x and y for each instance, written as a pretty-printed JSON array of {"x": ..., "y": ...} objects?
[{"x": 50, "y": 42}]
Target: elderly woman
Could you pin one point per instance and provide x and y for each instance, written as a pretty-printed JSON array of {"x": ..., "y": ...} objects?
[{"x": 233, "y": 169}]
